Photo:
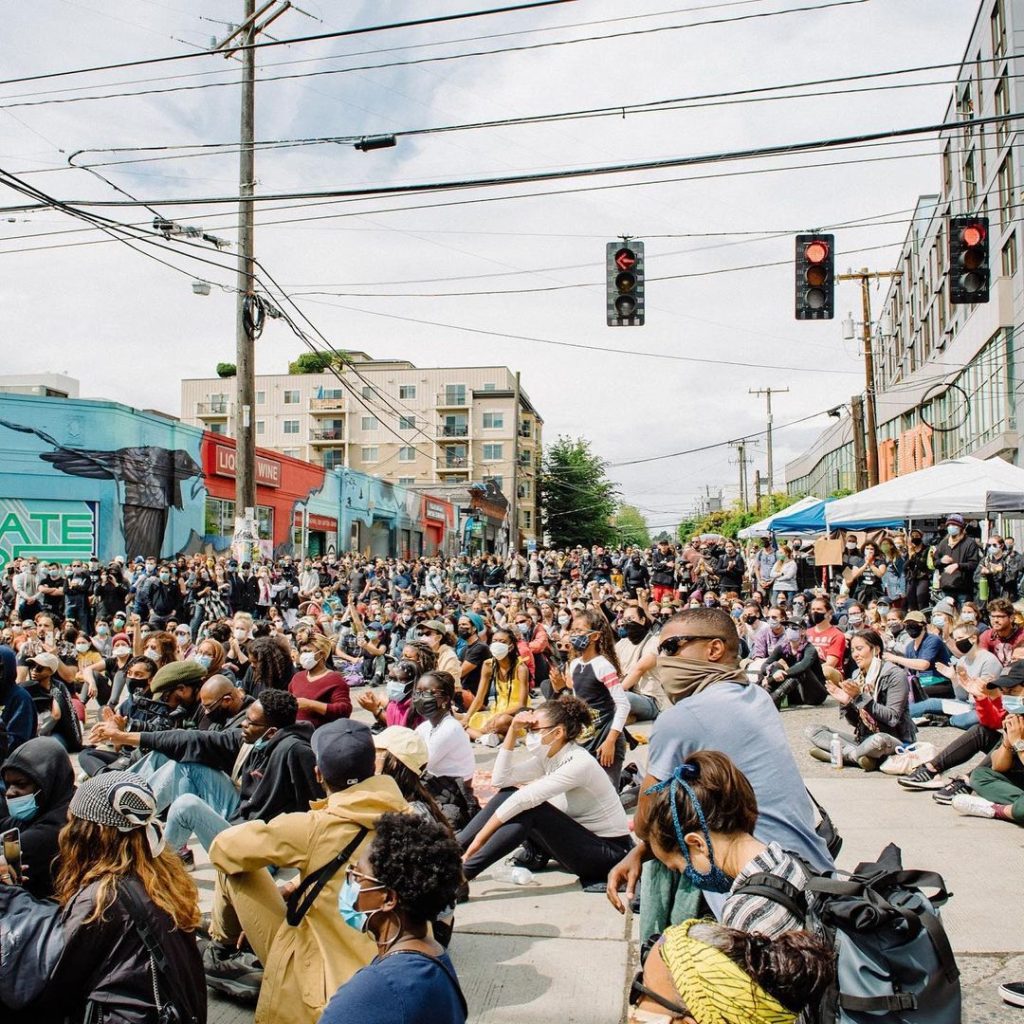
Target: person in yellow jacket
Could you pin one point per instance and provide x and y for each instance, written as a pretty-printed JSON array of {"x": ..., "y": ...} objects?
[{"x": 296, "y": 933}]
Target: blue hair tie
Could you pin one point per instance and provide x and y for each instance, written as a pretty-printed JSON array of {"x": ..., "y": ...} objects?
[{"x": 682, "y": 776}]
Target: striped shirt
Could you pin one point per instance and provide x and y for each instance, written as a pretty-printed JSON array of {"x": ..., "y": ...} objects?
[{"x": 750, "y": 913}]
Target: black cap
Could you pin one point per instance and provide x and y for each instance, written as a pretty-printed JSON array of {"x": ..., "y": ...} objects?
[
  {"x": 1013, "y": 676},
  {"x": 344, "y": 753}
]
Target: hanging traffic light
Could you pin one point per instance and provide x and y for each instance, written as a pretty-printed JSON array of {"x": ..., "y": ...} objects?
[
  {"x": 968, "y": 260},
  {"x": 624, "y": 265},
  {"x": 815, "y": 279}
]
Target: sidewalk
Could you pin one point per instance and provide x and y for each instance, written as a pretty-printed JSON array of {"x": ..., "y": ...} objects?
[{"x": 549, "y": 952}]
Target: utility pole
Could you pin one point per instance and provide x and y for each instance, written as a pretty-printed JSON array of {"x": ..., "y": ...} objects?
[
  {"x": 865, "y": 277},
  {"x": 768, "y": 392},
  {"x": 857, "y": 421},
  {"x": 757, "y": 491},
  {"x": 514, "y": 532},
  {"x": 741, "y": 461}
]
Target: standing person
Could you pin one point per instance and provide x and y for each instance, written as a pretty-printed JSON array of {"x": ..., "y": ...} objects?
[
  {"x": 593, "y": 675},
  {"x": 408, "y": 875},
  {"x": 303, "y": 963},
  {"x": 783, "y": 575},
  {"x": 322, "y": 693},
  {"x": 957, "y": 557},
  {"x": 731, "y": 568},
  {"x": 663, "y": 571},
  {"x": 865, "y": 580},
  {"x": 917, "y": 574},
  {"x": 113, "y": 872}
]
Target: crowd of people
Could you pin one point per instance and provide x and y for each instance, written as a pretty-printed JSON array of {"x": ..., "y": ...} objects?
[{"x": 209, "y": 703}]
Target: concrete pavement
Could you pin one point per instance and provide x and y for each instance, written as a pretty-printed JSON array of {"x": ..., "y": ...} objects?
[{"x": 547, "y": 951}]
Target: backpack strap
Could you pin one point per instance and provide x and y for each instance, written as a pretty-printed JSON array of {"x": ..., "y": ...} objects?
[
  {"x": 776, "y": 889},
  {"x": 894, "y": 1003},
  {"x": 943, "y": 950},
  {"x": 920, "y": 879},
  {"x": 305, "y": 895}
]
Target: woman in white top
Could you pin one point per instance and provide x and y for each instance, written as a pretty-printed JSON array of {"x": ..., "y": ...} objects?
[
  {"x": 565, "y": 804},
  {"x": 449, "y": 750}
]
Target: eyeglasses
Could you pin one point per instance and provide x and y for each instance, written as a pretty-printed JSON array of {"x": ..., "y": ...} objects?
[
  {"x": 353, "y": 874},
  {"x": 670, "y": 645}
]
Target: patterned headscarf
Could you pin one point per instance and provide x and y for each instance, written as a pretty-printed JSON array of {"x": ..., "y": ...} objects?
[
  {"x": 712, "y": 987},
  {"x": 121, "y": 800}
]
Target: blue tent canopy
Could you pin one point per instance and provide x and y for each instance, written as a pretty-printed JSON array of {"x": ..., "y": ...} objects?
[{"x": 812, "y": 520}]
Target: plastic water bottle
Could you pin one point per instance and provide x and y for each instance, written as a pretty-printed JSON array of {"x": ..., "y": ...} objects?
[
  {"x": 506, "y": 871},
  {"x": 836, "y": 751}
]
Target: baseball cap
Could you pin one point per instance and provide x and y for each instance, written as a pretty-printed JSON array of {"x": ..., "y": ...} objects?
[
  {"x": 956, "y": 519},
  {"x": 46, "y": 659},
  {"x": 344, "y": 753},
  {"x": 436, "y": 625},
  {"x": 1013, "y": 676},
  {"x": 404, "y": 745},
  {"x": 915, "y": 617}
]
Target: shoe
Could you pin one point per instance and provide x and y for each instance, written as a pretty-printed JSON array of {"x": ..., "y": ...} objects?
[
  {"x": 599, "y": 886},
  {"x": 1012, "y": 993},
  {"x": 820, "y": 755},
  {"x": 239, "y": 975},
  {"x": 783, "y": 691},
  {"x": 922, "y": 777},
  {"x": 528, "y": 856},
  {"x": 869, "y": 764},
  {"x": 462, "y": 896},
  {"x": 188, "y": 858},
  {"x": 974, "y": 806},
  {"x": 945, "y": 795}
]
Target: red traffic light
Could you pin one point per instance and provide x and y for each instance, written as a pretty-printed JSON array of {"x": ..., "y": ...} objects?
[
  {"x": 816, "y": 252},
  {"x": 625, "y": 259},
  {"x": 972, "y": 235}
]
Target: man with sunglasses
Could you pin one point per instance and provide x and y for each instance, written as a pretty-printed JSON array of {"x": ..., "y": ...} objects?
[{"x": 714, "y": 708}]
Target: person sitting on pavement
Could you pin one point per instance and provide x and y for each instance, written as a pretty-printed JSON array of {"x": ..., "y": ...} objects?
[
  {"x": 768, "y": 637},
  {"x": 1005, "y": 635},
  {"x": 876, "y": 703},
  {"x": 637, "y": 651},
  {"x": 793, "y": 670},
  {"x": 224, "y": 704},
  {"x": 111, "y": 844},
  {"x": 714, "y": 708},
  {"x": 503, "y": 692},
  {"x": 990, "y": 704},
  {"x": 322, "y": 693},
  {"x": 701, "y": 824},
  {"x": 828, "y": 639},
  {"x": 39, "y": 784},
  {"x": 705, "y": 973},
  {"x": 295, "y": 968},
  {"x": 402, "y": 881},
  {"x": 564, "y": 804},
  {"x": 923, "y": 653},
  {"x": 19, "y": 720},
  {"x": 998, "y": 787},
  {"x": 53, "y": 701},
  {"x": 395, "y": 706}
]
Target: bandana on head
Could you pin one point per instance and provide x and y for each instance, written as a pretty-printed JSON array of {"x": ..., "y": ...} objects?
[{"x": 121, "y": 800}]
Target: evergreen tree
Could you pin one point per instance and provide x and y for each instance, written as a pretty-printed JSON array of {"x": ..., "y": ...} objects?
[{"x": 578, "y": 500}]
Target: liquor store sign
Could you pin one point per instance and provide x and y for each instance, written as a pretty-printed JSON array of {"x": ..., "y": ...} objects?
[{"x": 54, "y": 531}]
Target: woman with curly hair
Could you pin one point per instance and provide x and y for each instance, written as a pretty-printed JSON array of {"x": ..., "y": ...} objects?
[
  {"x": 269, "y": 666},
  {"x": 406, "y": 877},
  {"x": 113, "y": 870}
]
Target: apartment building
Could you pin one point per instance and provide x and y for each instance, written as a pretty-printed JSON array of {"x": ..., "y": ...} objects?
[
  {"x": 946, "y": 380},
  {"x": 410, "y": 425}
]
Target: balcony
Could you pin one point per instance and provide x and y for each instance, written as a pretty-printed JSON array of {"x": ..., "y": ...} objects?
[
  {"x": 452, "y": 431},
  {"x": 453, "y": 399},
  {"x": 333, "y": 436},
  {"x": 320, "y": 406},
  {"x": 212, "y": 410},
  {"x": 453, "y": 464}
]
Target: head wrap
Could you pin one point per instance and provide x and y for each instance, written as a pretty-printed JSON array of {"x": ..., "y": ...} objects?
[
  {"x": 121, "y": 800},
  {"x": 322, "y": 643},
  {"x": 217, "y": 658},
  {"x": 712, "y": 987}
]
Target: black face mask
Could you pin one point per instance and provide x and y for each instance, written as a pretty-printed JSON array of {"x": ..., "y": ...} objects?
[
  {"x": 425, "y": 704},
  {"x": 818, "y": 617},
  {"x": 914, "y": 629},
  {"x": 963, "y": 646},
  {"x": 635, "y": 631},
  {"x": 219, "y": 715},
  {"x": 465, "y": 633}
]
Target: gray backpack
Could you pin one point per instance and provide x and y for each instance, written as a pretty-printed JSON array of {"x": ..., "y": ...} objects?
[{"x": 894, "y": 961}]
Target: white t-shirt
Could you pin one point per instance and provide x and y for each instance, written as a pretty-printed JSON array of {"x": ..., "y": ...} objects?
[{"x": 449, "y": 751}]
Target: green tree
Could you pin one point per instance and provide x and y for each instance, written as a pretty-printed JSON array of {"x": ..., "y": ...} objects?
[
  {"x": 226, "y": 369},
  {"x": 577, "y": 499},
  {"x": 729, "y": 521},
  {"x": 315, "y": 362},
  {"x": 631, "y": 527}
]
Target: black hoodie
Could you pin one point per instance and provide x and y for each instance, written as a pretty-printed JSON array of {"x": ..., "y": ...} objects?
[{"x": 45, "y": 761}]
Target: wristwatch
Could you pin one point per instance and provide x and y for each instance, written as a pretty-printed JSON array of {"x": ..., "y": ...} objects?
[{"x": 1018, "y": 746}]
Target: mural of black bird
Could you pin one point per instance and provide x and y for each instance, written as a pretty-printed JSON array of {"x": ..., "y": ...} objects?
[{"x": 151, "y": 476}]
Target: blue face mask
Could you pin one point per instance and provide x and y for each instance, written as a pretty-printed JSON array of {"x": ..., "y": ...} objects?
[
  {"x": 204, "y": 661},
  {"x": 580, "y": 643},
  {"x": 1011, "y": 705},
  {"x": 23, "y": 808},
  {"x": 347, "y": 900},
  {"x": 396, "y": 690},
  {"x": 261, "y": 743}
]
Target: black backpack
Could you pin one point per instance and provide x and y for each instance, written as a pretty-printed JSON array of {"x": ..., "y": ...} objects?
[{"x": 894, "y": 961}]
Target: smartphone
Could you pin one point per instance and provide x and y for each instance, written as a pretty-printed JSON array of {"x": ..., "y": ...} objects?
[{"x": 11, "y": 841}]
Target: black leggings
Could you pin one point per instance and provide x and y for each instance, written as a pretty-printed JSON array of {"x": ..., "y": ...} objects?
[
  {"x": 970, "y": 742},
  {"x": 562, "y": 838},
  {"x": 92, "y": 761},
  {"x": 918, "y": 592}
]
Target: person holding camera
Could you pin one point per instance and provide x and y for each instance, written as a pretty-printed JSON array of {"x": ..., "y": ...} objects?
[{"x": 876, "y": 703}]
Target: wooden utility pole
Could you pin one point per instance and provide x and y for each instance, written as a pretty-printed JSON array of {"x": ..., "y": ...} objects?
[
  {"x": 757, "y": 491},
  {"x": 768, "y": 392},
  {"x": 865, "y": 276},
  {"x": 857, "y": 422}
]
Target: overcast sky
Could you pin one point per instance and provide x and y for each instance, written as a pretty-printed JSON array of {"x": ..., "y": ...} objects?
[{"x": 129, "y": 328}]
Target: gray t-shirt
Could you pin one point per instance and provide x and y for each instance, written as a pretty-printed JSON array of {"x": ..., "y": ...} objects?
[{"x": 743, "y": 722}]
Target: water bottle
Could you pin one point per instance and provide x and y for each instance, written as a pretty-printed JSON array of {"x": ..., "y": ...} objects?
[
  {"x": 836, "y": 751},
  {"x": 506, "y": 871}
]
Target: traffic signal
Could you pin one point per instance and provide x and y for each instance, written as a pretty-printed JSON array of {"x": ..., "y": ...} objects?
[
  {"x": 968, "y": 260},
  {"x": 815, "y": 277},
  {"x": 625, "y": 275}
]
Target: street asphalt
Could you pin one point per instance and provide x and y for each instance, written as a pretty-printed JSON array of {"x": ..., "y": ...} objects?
[{"x": 548, "y": 952}]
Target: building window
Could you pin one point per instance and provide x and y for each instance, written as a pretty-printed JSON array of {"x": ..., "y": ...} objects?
[
  {"x": 333, "y": 459},
  {"x": 490, "y": 387},
  {"x": 261, "y": 426},
  {"x": 369, "y": 423},
  {"x": 1002, "y": 104},
  {"x": 370, "y": 454},
  {"x": 998, "y": 31},
  {"x": 368, "y": 391},
  {"x": 524, "y": 489},
  {"x": 219, "y": 519},
  {"x": 261, "y": 398},
  {"x": 525, "y": 428},
  {"x": 291, "y": 398},
  {"x": 407, "y": 454},
  {"x": 1009, "y": 256},
  {"x": 291, "y": 426},
  {"x": 217, "y": 428},
  {"x": 407, "y": 391},
  {"x": 406, "y": 481},
  {"x": 970, "y": 182},
  {"x": 292, "y": 453},
  {"x": 527, "y": 519},
  {"x": 329, "y": 393},
  {"x": 496, "y": 480},
  {"x": 494, "y": 420},
  {"x": 406, "y": 422},
  {"x": 1006, "y": 191},
  {"x": 454, "y": 394},
  {"x": 492, "y": 452},
  {"x": 947, "y": 171}
]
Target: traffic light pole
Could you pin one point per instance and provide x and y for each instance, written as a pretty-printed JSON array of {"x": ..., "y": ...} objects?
[{"x": 865, "y": 276}]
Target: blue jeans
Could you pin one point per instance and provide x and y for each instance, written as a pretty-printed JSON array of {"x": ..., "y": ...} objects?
[
  {"x": 642, "y": 707},
  {"x": 933, "y": 706},
  {"x": 171, "y": 779},
  {"x": 189, "y": 814}
]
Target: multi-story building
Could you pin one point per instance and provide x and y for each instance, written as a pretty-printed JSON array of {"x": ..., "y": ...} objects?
[
  {"x": 946, "y": 379},
  {"x": 48, "y": 385},
  {"x": 389, "y": 418}
]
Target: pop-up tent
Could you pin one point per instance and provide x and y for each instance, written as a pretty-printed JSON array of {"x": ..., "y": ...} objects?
[
  {"x": 768, "y": 526},
  {"x": 972, "y": 487}
]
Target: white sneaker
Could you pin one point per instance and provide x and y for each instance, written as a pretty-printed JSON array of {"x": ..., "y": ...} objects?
[{"x": 975, "y": 806}]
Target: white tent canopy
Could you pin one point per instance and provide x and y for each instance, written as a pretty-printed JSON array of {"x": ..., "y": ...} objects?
[
  {"x": 764, "y": 527},
  {"x": 972, "y": 487}
]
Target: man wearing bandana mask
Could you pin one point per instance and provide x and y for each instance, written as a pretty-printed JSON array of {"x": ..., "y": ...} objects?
[{"x": 714, "y": 709}]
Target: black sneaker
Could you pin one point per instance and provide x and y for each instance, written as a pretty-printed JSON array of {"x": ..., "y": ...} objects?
[
  {"x": 238, "y": 975},
  {"x": 528, "y": 856},
  {"x": 188, "y": 858},
  {"x": 922, "y": 778},
  {"x": 950, "y": 790},
  {"x": 1013, "y": 993}
]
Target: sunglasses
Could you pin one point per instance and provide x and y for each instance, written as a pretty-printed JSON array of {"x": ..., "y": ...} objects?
[{"x": 670, "y": 645}]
